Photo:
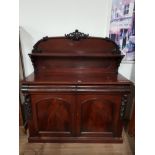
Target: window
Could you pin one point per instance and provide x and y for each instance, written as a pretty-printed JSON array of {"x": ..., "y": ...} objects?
[{"x": 126, "y": 9}]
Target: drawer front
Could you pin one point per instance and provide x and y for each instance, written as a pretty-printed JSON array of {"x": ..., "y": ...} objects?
[
  {"x": 99, "y": 115},
  {"x": 52, "y": 115}
]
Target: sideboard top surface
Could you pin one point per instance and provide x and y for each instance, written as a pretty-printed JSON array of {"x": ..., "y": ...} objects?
[{"x": 76, "y": 79}]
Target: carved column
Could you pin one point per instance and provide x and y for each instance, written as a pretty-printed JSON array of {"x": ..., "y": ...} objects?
[
  {"x": 27, "y": 107},
  {"x": 124, "y": 102}
]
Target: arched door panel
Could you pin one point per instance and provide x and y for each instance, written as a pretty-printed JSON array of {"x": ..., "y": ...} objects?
[
  {"x": 54, "y": 114},
  {"x": 98, "y": 115}
]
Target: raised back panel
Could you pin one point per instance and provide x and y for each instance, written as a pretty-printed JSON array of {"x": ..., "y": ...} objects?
[
  {"x": 83, "y": 46},
  {"x": 74, "y": 54}
]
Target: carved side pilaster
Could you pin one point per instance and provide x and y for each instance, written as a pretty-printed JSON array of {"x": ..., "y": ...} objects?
[
  {"x": 124, "y": 102},
  {"x": 27, "y": 107}
]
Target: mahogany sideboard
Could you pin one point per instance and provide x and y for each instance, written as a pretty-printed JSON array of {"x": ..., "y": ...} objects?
[{"x": 76, "y": 93}]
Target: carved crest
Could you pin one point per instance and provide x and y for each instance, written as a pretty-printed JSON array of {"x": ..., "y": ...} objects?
[{"x": 76, "y": 35}]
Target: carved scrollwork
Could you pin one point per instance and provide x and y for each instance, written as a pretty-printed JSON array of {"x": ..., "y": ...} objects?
[
  {"x": 124, "y": 102},
  {"x": 35, "y": 47},
  {"x": 76, "y": 36},
  {"x": 27, "y": 107},
  {"x": 117, "y": 49}
]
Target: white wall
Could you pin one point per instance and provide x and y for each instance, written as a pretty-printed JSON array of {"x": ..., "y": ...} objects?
[
  {"x": 39, "y": 18},
  {"x": 128, "y": 70}
]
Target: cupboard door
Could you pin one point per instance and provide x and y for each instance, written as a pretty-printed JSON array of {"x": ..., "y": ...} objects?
[
  {"x": 53, "y": 114},
  {"x": 98, "y": 115}
]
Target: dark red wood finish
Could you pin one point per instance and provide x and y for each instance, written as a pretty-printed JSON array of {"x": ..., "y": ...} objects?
[{"x": 75, "y": 93}]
